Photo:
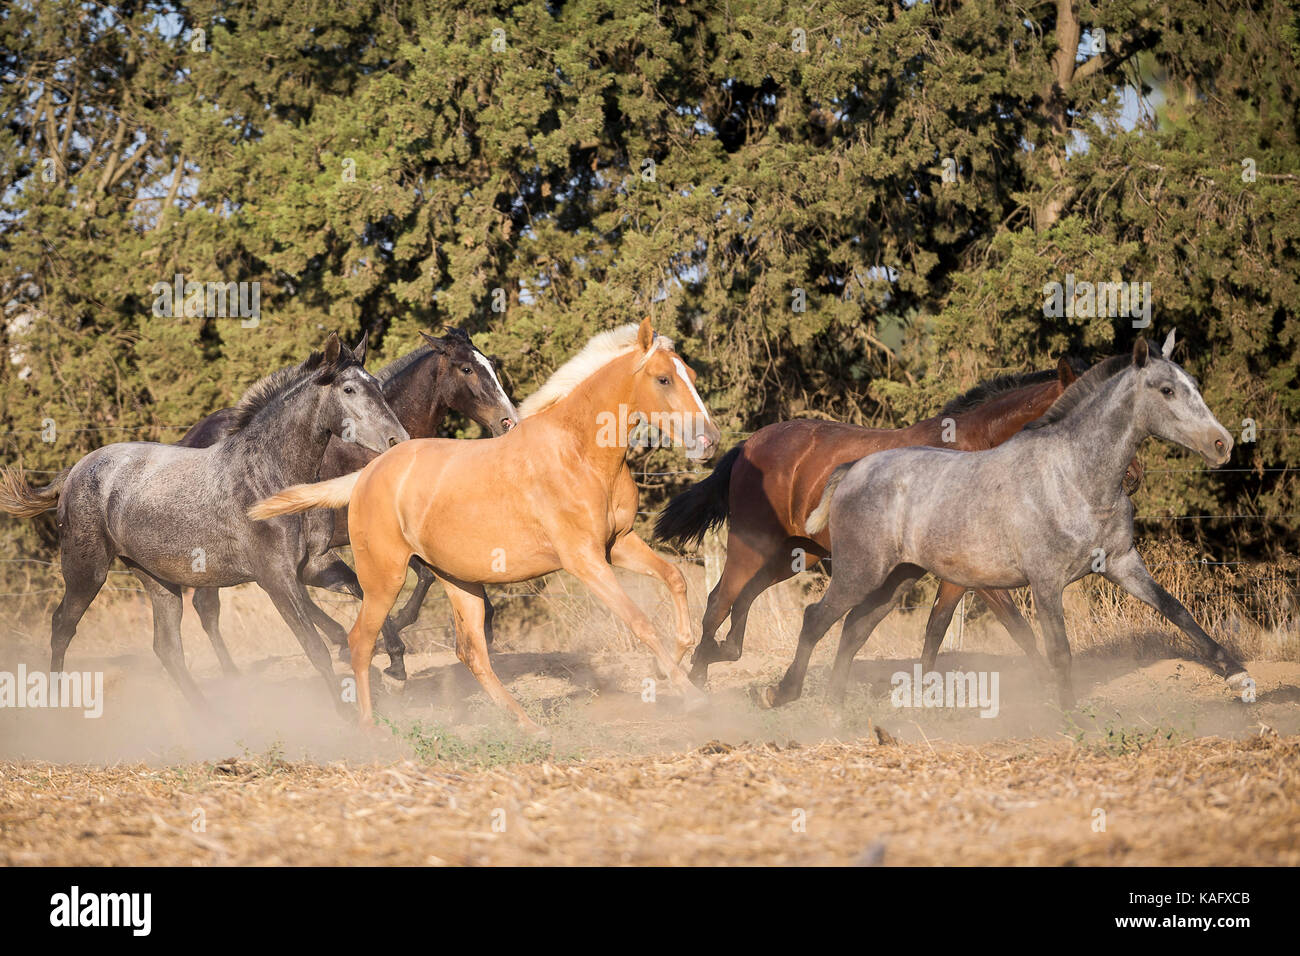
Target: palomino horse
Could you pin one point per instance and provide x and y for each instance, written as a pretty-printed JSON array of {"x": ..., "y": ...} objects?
[
  {"x": 553, "y": 493},
  {"x": 176, "y": 516},
  {"x": 446, "y": 374},
  {"x": 766, "y": 487},
  {"x": 1006, "y": 518}
]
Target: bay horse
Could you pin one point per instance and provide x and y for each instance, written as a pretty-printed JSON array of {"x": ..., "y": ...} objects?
[
  {"x": 447, "y": 373},
  {"x": 766, "y": 487},
  {"x": 1041, "y": 510},
  {"x": 176, "y": 516},
  {"x": 553, "y": 493}
]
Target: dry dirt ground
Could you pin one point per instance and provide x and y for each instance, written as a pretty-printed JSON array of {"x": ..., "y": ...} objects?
[{"x": 1161, "y": 764}]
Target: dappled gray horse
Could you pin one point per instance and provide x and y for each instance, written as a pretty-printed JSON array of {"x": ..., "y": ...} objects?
[
  {"x": 176, "y": 515},
  {"x": 446, "y": 374},
  {"x": 1041, "y": 510}
]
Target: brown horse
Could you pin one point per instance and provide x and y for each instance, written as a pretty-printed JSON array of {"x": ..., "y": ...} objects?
[
  {"x": 766, "y": 487},
  {"x": 553, "y": 493}
]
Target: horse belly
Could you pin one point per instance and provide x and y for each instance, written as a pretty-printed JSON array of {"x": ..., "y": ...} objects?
[{"x": 961, "y": 548}]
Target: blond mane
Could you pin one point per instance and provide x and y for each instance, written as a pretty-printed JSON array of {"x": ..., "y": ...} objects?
[{"x": 595, "y": 355}]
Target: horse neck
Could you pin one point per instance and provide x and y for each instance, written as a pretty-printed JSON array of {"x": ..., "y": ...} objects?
[
  {"x": 1007, "y": 414},
  {"x": 415, "y": 396},
  {"x": 604, "y": 395},
  {"x": 1104, "y": 434},
  {"x": 285, "y": 436}
]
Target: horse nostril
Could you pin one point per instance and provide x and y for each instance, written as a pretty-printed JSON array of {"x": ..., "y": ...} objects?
[
  {"x": 1218, "y": 443},
  {"x": 393, "y": 440},
  {"x": 507, "y": 423}
]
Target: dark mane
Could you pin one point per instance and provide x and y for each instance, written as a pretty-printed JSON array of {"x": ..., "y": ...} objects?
[
  {"x": 398, "y": 366},
  {"x": 454, "y": 336},
  {"x": 990, "y": 389},
  {"x": 280, "y": 382},
  {"x": 1087, "y": 385}
]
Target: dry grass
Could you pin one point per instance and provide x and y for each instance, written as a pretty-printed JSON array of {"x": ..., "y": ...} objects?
[
  {"x": 1208, "y": 802},
  {"x": 1185, "y": 773}
]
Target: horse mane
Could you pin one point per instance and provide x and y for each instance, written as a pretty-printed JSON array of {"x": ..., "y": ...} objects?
[
  {"x": 1081, "y": 389},
  {"x": 993, "y": 387},
  {"x": 395, "y": 368},
  {"x": 266, "y": 390},
  {"x": 599, "y": 351}
]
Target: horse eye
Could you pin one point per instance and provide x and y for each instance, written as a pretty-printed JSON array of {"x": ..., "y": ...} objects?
[
  {"x": 1167, "y": 392},
  {"x": 466, "y": 369},
  {"x": 348, "y": 389},
  {"x": 663, "y": 380}
]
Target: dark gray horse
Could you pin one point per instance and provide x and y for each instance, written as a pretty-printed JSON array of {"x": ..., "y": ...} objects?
[
  {"x": 1041, "y": 510},
  {"x": 446, "y": 374},
  {"x": 176, "y": 515}
]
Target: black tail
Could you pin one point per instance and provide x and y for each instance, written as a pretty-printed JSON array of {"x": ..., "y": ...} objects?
[{"x": 690, "y": 515}]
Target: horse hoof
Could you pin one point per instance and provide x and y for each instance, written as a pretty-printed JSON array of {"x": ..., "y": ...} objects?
[
  {"x": 764, "y": 697},
  {"x": 396, "y": 669},
  {"x": 700, "y": 679}
]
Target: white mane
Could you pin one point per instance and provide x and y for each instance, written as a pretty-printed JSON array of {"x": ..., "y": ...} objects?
[{"x": 596, "y": 354}]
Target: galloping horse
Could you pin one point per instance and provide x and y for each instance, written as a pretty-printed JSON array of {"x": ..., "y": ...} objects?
[
  {"x": 765, "y": 488},
  {"x": 553, "y": 493},
  {"x": 446, "y": 374},
  {"x": 1004, "y": 519},
  {"x": 176, "y": 516}
]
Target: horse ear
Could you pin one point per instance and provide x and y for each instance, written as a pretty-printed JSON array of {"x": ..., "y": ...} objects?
[
  {"x": 1167, "y": 349},
  {"x": 645, "y": 335},
  {"x": 1140, "y": 353},
  {"x": 1065, "y": 371},
  {"x": 433, "y": 343},
  {"x": 359, "y": 352},
  {"x": 332, "y": 349}
]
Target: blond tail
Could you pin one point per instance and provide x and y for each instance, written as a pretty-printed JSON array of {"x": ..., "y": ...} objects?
[
  {"x": 17, "y": 497},
  {"x": 821, "y": 515},
  {"x": 334, "y": 493}
]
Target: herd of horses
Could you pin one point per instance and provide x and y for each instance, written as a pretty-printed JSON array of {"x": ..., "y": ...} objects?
[{"x": 1024, "y": 481}]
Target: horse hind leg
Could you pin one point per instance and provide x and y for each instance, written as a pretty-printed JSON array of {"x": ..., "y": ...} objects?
[
  {"x": 743, "y": 574},
  {"x": 862, "y": 620},
  {"x": 83, "y": 575},
  {"x": 946, "y": 600},
  {"x": 167, "y": 609},
  {"x": 329, "y": 572},
  {"x": 207, "y": 602}
]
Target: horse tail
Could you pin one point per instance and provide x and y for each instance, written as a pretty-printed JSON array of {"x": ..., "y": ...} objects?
[
  {"x": 821, "y": 515},
  {"x": 17, "y": 497},
  {"x": 334, "y": 493},
  {"x": 704, "y": 505}
]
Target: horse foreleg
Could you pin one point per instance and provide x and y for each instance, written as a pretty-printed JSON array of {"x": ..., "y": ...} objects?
[
  {"x": 207, "y": 601},
  {"x": 946, "y": 600},
  {"x": 631, "y": 552},
  {"x": 593, "y": 571},
  {"x": 1130, "y": 573},
  {"x": 1050, "y": 609},
  {"x": 291, "y": 599},
  {"x": 410, "y": 612}
]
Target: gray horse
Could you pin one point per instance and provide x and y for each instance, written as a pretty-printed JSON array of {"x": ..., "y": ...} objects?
[
  {"x": 1041, "y": 510},
  {"x": 176, "y": 516},
  {"x": 446, "y": 374}
]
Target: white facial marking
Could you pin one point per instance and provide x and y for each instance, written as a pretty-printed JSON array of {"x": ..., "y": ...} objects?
[
  {"x": 501, "y": 392},
  {"x": 681, "y": 370}
]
